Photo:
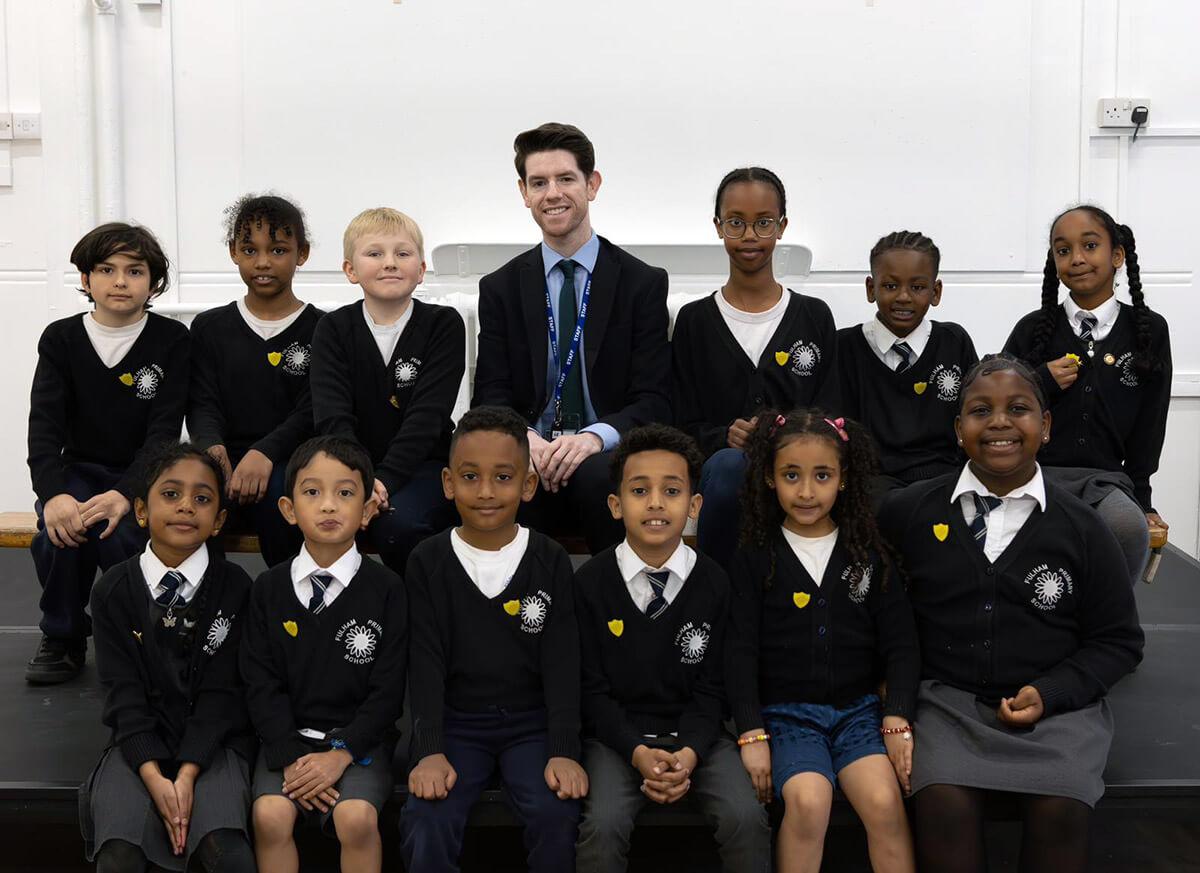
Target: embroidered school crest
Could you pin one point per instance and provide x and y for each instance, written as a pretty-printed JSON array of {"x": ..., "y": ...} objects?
[
  {"x": 804, "y": 357},
  {"x": 535, "y": 609},
  {"x": 273, "y": 358},
  {"x": 146, "y": 381},
  {"x": 946, "y": 381},
  {"x": 1128, "y": 372},
  {"x": 360, "y": 640},
  {"x": 407, "y": 371},
  {"x": 692, "y": 640},
  {"x": 616, "y": 627},
  {"x": 217, "y": 632},
  {"x": 1049, "y": 586},
  {"x": 859, "y": 587},
  {"x": 295, "y": 359}
]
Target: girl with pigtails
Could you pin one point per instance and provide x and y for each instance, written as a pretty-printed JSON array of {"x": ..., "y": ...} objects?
[
  {"x": 819, "y": 616},
  {"x": 1105, "y": 367}
]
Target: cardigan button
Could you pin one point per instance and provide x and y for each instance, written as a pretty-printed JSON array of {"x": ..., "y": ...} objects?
[
  {"x": 991, "y": 571},
  {"x": 1082, "y": 441},
  {"x": 987, "y": 644},
  {"x": 820, "y": 601},
  {"x": 987, "y": 607},
  {"x": 1087, "y": 389},
  {"x": 821, "y": 631}
]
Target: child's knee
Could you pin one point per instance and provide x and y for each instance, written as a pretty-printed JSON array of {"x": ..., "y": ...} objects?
[
  {"x": 805, "y": 810},
  {"x": 356, "y": 822},
  {"x": 274, "y": 818},
  {"x": 882, "y": 807}
]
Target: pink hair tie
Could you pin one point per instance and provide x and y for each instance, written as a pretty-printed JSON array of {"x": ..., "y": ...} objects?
[
  {"x": 780, "y": 421},
  {"x": 839, "y": 424}
]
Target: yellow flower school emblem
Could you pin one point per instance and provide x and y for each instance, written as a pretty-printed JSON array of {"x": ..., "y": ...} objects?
[
  {"x": 801, "y": 599},
  {"x": 617, "y": 627}
]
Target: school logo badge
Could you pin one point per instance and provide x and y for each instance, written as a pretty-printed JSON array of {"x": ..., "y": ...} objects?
[
  {"x": 535, "y": 609},
  {"x": 616, "y": 627},
  {"x": 295, "y": 359},
  {"x": 273, "y": 358},
  {"x": 920, "y": 387},
  {"x": 801, "y": 599},
  {"x": 781, "y": 358},
  {"x": 941, "y": 531},
  {"x": 407, "y": 371},
  {"x": 946, "y": 381},
  {"x": 804, "y": 357},
  {"x": 146, "y": 381},
  {"x": 360, "y": 640},
  {"x": 217, "y": 632},
  {"x": 291, "y": 627},
  {"x": 859, "y": 587},
  {"x": 1048, "y": 586},
  {"x": 692, "y": 640},
  {"x": 1128, "y": 371}
]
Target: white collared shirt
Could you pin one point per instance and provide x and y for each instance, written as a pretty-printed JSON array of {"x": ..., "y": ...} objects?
[
  {"x": 881, "y": 340},
  {"x": 388, "y": 335},
  {"x": 192, "y": 570},
  {"x": 263, "y": 327},
  {"x": 813, "y": 553},
  {"x": 1105, "y": 314},
  {"x": 342, "y": 571},
  {"x": 491, "y": 571},
  {"x": 752, "y": 330},
  {"x": 112, "y": 343},
  {"x": 633, "y": 571},
  {"x": 1005, "y": 520}
]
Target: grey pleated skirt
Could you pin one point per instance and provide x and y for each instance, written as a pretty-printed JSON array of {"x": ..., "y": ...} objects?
[
  {"x": 114, "y": 805},
  {"x": 960, "y": 741}
]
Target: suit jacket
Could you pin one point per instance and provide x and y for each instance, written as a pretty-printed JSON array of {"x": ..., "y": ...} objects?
[{"x": 626, "y": 356}]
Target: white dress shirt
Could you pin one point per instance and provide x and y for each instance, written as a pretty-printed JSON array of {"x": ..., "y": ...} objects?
[
  {"x": 633, "y": 571},
  {"x": 881, "y": 341},
  {"x": 1105, "y": 314},
  {"x": 342, "y": 570},
  {"x": 1005, "y": 520},
  {"x": 192, "y": 570}
]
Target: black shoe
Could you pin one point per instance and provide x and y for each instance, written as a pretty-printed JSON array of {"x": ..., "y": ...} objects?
[{"x": 56, "y": 661}]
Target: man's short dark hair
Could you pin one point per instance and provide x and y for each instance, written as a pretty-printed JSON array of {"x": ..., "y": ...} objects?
[
  {"x": 499, "y": 419},
  {"x": 656, "y": 438},
  {"x": 115, "y": 238},
  {"x": 341, "y": 449},
  {"x": 550, "y": 137}
]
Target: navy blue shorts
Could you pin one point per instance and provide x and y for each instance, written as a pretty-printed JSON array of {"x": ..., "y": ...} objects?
[{"x": 818, "y": 738}]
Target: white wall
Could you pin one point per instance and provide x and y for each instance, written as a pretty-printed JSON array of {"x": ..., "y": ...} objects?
[{"x": 972, "y": 122}]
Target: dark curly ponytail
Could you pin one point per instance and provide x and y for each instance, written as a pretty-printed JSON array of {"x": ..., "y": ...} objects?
[
  {"x": 1046, "y": 315},
  {"x": 852, "y": 513},
  {"x": 1143, "y": 361}
]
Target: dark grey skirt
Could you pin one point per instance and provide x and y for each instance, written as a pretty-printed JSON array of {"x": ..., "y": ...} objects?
[
  {"x": 114, "y": 805},
  {"x": 1089, "y": 485},
  {"x": 960, "y": 741}
]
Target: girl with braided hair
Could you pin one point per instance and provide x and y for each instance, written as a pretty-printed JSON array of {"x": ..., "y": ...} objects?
[
  {"x": 1105, "y": 367},
  {"x": 816, "y": 606}
]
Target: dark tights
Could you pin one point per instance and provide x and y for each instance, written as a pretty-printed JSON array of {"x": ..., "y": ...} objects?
[
  {"x": 221, "y": 851},
  {"x": 948, "y": 824}
]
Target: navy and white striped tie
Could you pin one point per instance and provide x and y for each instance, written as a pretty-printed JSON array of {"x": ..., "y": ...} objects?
[
  {"x": 171, "y": 583},
  {"x": 320, "y": 581},
  {"x": 1087, "y": 324},
  {"x": 984, "y": 503},
  {"x": 905, "y": 351},
  {"x": 658, "y": 584}
]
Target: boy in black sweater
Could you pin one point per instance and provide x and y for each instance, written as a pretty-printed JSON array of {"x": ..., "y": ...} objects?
[
  {"x": 109, "y": 385},
  {"x": 495, "y": 657},
  {"x": 900, "y": 372},
  {"x": 250, "y": 404},
  {"x": 387, "y": 372},
  {"x": 324, "y": 664},
  {"x": 651, "y": 619}
]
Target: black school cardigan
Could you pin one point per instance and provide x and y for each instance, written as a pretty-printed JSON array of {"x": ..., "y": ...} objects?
[
  {"x": 399, "y": 411},
  {"x": 646, "y": 675},
  {"x": 1055, "y": 610},
  {"x": 150, "y": 720},
  {"x": 714, "y": 382}
]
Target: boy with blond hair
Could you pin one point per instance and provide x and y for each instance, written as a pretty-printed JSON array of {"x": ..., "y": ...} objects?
[{"x": 386, "y": 372}]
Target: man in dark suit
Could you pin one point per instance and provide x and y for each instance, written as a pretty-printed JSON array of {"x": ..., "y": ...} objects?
[{"x": 573, "y": 336}]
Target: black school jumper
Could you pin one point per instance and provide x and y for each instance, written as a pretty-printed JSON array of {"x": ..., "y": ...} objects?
[
  {"x": 651, "y": 676},
  {"x": 1112, "y": 418},
  {"x": 792, "y": 641},
  {"x": 1055, "y": 611},
  {"x": 714, "y": 382},
  {"x": 248, "y": 392},
  {"x": 518, "y": 651},
  {"x": 910, "y": 413},
  {"x": 342, "y": 669}
]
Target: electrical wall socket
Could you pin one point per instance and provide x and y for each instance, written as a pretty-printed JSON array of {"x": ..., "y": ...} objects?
[
  {"x": 1118, "y": 111},
  {"x": 27, "y": 125}
]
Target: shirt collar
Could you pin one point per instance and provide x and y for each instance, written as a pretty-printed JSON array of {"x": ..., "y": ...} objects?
[
  {"x": 1105, "y": 314},
  {"x": 585, "y": 257},
  {"x": 193, "y": 569},
  {"x": 343, "y": 569},
  {"x": 968, "y": 483},
  {"x": 680, "y": 563},
  {"x": 880, "y": 336}
]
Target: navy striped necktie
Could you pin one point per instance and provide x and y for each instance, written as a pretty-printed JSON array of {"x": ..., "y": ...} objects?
[
  {"x": 658, "y": 584},
  {"x": 171, "y": 584},
  {"x": 905, "y": 351},
  {"x": 320, "y": 581},
  {"x": 1087, "y": 324},
  {"x": 984, "y": 504}
]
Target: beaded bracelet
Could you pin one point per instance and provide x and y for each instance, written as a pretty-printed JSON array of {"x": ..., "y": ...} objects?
[
  {"x": 757, "y": 738},
  {"x": 906, "y": 731}
]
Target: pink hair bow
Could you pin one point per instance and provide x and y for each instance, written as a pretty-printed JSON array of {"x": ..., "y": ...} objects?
[{"x": 839, "y": 424}]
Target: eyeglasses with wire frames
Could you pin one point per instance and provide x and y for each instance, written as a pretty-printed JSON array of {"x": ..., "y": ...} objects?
[{"x": 735, "y": 228}]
